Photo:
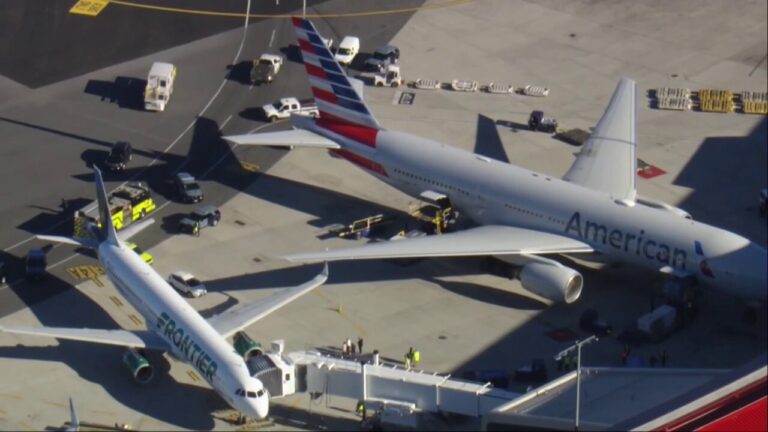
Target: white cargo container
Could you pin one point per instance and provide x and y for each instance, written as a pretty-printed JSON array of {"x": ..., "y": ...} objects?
[{"x": 659, "y": 322}]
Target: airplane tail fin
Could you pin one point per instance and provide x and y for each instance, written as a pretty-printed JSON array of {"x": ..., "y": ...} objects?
[
  {"x": 338, "y": 98},
  {"x": 74, "y": 422},
  {"x": 107, "y": 228}
]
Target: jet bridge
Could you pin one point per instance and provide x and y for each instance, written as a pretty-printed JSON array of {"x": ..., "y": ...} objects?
[{"x": 396, "y": 394}]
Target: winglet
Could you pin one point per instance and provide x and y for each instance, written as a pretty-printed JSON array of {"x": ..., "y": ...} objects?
[
  {"x": 74, "y": 422},
  {"x": 107, "y": 228}
]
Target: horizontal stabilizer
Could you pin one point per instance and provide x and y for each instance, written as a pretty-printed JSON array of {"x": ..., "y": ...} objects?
[
  {"x": 292, "y": 138},
  {"x": 229, "y": 322},
  {"x": 481, "y": 241},
  {"x": 124, "y": 338},
  {"x": 134, "y": 229}
]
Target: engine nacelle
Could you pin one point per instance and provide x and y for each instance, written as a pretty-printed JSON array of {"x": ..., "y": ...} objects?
[
  {"x": 553, "y": 282},
  {"x": 139, "y": 366},
  {"x": 246, "y": 347},
  {"x": 664, "y": 206}
]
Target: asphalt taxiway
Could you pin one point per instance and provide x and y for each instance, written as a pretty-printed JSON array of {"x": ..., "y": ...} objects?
[{"x": 275, "y": 202}]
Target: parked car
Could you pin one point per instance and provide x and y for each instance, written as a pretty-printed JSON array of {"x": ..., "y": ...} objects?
[
  {"x": 204, "y": 216},
  {"x": 536, "y": 371},
  {"x": 383, "y": 57},
  {"x": 146, "y": 256},
  {"x": 187, "y": 283},
  {"x": 265, "y": 68},
  {"x": 590, "y": 322},
  {"x": 188, "y": 188},
  {"x": 35, "y": 264},
  {"x": 348, "y": 49},
  {"x": 497, "y": 377},
  {"x": 119, "y": 156}
]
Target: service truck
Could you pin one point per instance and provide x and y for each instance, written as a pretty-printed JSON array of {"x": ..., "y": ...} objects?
[
  {"x": 159, "y": 86},
  {"x": 283, "y": 109},
  {"x": 127, "y": 204},
  {"x": 265, "y": 68}
]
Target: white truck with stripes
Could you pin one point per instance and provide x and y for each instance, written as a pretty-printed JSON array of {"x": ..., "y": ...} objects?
[{"x": 283, "y": 109}]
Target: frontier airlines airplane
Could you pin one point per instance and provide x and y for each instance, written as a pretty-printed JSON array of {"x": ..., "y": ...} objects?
[
  {"x": 174, "y": 326},
  {"x": 593, "y": 211}
]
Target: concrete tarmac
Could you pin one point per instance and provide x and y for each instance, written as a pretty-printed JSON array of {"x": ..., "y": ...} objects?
[{"x": 457, "y": 314}]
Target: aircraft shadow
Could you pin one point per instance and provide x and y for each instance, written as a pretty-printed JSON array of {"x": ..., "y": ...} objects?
[
  {"x": 738, "y": 163},
  {"x": 127, "y": 92},
  {"x": 102, "y": 364},
  {"x": 487, "y": 140}
]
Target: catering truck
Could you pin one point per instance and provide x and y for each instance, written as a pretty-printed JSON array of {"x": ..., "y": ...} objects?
[{"x": 159, "y": 86}]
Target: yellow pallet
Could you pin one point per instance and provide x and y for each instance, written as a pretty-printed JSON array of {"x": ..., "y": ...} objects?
[
  {"x": 715, "y": 94},
  {"x": 714, "y": 105},
  {"x": 755, "y": 108}
]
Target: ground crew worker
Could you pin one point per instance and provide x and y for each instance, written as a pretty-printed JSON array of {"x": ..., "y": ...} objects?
[
  {"x": 625, "y": 355},
  {"x": 344, "y": 348},
  {"x": 408, "y": 360},
  {"x": 416, "y": 357},
  {"x": 360, "y": 345},
  {"x": 197, "y": 229},
  {"x": 360, "y": 409},
  {"x": 352, "y": 349}
]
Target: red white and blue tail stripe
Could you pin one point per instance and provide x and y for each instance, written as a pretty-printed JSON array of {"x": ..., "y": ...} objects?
[{"x": 336, "y": 98}]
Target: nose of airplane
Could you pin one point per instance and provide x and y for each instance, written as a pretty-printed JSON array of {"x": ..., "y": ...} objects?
[{"x": 261, "y": 405}]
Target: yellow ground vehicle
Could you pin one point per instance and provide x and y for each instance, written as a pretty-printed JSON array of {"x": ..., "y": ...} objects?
[
  {"x": 146, "y": 256},
  {"x": 127, "y": 204}
]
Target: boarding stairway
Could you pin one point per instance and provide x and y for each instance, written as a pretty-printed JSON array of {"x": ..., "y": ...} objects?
[{"x": 387, "y": 389}]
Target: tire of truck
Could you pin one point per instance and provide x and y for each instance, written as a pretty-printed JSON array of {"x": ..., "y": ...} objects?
[
  {"x": 379, "y": 84},
  {"x": 214, "y": 221},
  {"x": 272, "y": 119},
  {"x": 395, "y": 84}
]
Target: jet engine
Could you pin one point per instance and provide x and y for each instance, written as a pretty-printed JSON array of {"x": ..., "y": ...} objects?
[
  {"x": 246, "y": 347},
  {"x": 554, "y": 282},
  {"x": 139, "y": 366},
  {"x": 664, "y": 206}
]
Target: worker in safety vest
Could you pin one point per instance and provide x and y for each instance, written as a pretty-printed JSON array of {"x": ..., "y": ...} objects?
[{"x": 416, "y": 357}]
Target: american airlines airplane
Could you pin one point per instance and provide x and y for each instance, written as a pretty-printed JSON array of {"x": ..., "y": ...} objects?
[
  {"x": 174, "y": 326},
  {"x": 593, "y": 212}
]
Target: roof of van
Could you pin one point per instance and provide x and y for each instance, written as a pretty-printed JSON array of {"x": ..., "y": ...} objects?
[
  {"x": 161, "y": 69},
  {"x": 349, "y": 41}
]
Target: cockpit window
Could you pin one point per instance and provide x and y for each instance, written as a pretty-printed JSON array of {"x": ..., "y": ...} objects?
[
  {"x": 251, "y": 394},
  {"x": 260, "y": 393},
  {"x": 240, "y": 392}
]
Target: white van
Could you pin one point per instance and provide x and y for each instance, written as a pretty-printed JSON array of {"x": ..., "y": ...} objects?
[{"x": 348, "y": 49}]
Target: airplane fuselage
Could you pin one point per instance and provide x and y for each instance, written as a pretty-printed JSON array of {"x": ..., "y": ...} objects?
[
  {"x": 495, "y": 193},
  {"x": 188, "y": 335}
]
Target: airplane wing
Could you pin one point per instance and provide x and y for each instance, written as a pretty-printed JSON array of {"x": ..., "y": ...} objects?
[
  {"x": 293, "y": 138},
  {"x": 484, "y": 240},
  {"x": 134, "y": 229},
  {"x": 229, "y": 322},
  {"x": 607, "y": 162},
  {"x": 130, "y": 339}
]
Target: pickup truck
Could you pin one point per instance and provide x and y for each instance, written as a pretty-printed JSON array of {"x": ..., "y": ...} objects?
[
  {"x": 283, "y": 109},
  {"x": 265, "y": 68}
]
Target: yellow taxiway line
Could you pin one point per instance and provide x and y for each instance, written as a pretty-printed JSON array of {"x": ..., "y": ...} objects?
[{"x": 434, "y": 5}]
